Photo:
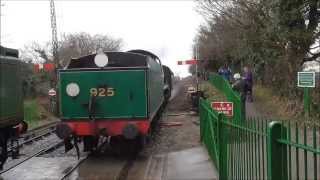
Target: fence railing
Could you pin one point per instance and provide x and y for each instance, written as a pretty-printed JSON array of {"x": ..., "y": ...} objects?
[
  {"x": 239, "y": 150},
  {"x": 259, "y": 148},
  {"x": 209, "y": 129},
  {"x": 300, "y": 147}
]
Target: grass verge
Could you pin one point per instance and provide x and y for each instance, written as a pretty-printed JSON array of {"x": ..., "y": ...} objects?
[
  {"x": 31, "y": 112},
  {"x": 279, "y": 107}
]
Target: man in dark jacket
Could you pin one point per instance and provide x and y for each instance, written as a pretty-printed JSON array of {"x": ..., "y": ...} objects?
[{"x": 239, "y": 86}]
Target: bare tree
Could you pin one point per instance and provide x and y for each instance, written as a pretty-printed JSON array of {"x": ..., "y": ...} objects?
[
  {"x": 36, "y": 53},
  {"x": 70, "y": 45},
  {"x": 80, "y": 44}
]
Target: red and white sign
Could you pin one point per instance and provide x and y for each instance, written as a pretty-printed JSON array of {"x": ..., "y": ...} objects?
[
  {"x": 52, "y": 92},
  {"x": 192, "y": 61},
  {"x": 223, "y": 107}
]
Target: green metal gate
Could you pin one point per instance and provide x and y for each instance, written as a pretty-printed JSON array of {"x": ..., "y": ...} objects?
[{"x": 259, "y": 148}]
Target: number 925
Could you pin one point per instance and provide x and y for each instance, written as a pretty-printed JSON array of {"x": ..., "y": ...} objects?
[{"x": 102, "y": 92}]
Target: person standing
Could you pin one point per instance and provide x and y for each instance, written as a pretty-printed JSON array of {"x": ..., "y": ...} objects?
[
  {"x": 248, "y": 78},
  {"x": 225, "y": 72},
  {"x": 239, "y": 86}
]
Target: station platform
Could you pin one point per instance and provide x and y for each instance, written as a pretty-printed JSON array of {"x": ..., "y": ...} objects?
[{"x": 188, "y": 164}]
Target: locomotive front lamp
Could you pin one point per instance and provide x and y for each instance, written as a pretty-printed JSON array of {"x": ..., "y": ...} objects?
[
  {"x": 73, "y": 89},
  {"x": 101, "y": 59}
]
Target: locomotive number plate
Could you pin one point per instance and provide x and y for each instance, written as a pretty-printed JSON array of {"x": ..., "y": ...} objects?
[{"x": 102, "y": 92}]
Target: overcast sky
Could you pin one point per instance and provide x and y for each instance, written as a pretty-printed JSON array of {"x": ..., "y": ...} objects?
[{"x": 167, "y": 28}]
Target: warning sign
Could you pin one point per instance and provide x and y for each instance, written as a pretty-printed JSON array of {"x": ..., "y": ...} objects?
[
  {"x": 223, "y": 107},
  {"x": 52, "y": 92}
]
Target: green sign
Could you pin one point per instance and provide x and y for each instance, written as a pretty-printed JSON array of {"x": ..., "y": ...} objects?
[{"x": 306, "y": 79}]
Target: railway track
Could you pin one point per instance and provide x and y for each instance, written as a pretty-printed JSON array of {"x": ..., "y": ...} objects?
[
  {"x": 39, "y": 130},
  {"x": 27, "y": 140},
  {"x": 71, "y": 170},
  {"x": 38, "y": 153},
  {"x": 114, "y": 169},
  {"x": 34, "y": 134},
  {"x": 30, "y": 138}
]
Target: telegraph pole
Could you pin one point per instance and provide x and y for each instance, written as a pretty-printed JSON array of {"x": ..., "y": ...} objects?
[
  {"x": 54, "y": 99},
  {"x": 54, "y": 34}
]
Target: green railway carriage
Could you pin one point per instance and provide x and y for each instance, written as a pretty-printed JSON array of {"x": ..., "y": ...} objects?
[
  {"x": 11, "y": 101},
  {"x": 11, "y": 110},
  {"x": 118, "y": 98}
]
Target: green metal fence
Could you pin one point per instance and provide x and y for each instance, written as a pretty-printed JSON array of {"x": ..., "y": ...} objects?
[
  {"x": 260, "y": 148},
  {"x": 239, "y": 150},
  {"x": 224, "y": 86},
  {"x": 300, "y": 144}
]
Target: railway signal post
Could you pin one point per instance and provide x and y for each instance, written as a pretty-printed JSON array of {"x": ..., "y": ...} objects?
[
  {"x": 193, "y": 61},
  {"x": 196, "y": 95}
]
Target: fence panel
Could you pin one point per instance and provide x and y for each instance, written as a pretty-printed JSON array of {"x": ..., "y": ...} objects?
[
  {"x": 209, "y": 130},
  {"x": 247, "y": 150},
  {"x": 302, "y": 147},
  {"x": 236, "y": 149},
  {"x": 258, "y": 148}
]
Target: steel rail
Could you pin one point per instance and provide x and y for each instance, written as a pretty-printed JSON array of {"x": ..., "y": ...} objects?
[
  {"x": 38, "y": 130},
  {"x": 38, "y": 153},
  {"x": 74, "y": 168},
  {"x": 45, "y": 130}
]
